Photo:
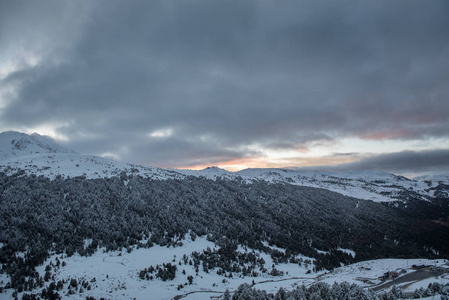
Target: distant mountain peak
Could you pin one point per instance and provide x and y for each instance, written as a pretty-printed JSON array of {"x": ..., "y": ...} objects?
[
  {"x": 214, "y": 168},
  {"x": 214, "y": 171}
]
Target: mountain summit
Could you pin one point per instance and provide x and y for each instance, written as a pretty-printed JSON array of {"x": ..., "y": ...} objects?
[
  {"x": 13, "y": 143},
  {"x": 41, "y": 155}
]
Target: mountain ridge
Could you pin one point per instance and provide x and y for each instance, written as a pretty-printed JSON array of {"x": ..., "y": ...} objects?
[{"x": 41, "y": 155}]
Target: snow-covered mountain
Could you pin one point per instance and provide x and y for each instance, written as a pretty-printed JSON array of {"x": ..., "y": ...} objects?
[
  {"x": 14, "y": 144},
  {"x": 40, "y": 155},
  {"x": 363, "y": 184},
  {"x": 443, "y": 178}
]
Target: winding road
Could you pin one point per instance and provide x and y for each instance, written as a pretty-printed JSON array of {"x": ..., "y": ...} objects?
[
  {"x": 410, "y": 277},
  {"x": 177, "y": 297}
]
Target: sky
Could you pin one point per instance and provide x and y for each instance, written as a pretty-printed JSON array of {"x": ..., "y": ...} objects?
[{"x": 231, "y": 83}]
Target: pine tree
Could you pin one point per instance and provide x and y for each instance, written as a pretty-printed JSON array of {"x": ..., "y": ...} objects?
[{"x": 227, "y": 295}]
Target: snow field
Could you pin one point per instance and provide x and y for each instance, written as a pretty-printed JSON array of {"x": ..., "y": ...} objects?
[{"x": 115, "y": 274}]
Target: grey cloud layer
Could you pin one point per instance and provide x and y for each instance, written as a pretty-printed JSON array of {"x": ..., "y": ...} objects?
[
  {"x": 226, "y": 74},
  {"x": 405, "y": 162}
]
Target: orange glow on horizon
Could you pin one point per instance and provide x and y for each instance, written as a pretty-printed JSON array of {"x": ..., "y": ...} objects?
[
  {"x": 232, "y": 165},
  {"x": 265, "y": 162}
]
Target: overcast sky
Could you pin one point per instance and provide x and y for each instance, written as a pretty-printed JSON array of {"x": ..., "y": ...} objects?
[{"x": 189, "y": 84}]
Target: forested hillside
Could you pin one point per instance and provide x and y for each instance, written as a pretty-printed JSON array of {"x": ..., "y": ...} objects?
[{"x": 39, "y": 216}]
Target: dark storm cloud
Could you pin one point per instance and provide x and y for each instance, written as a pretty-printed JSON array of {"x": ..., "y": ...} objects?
[
  {"x": 405, "y": 162},
  {"x": 228, "y": 74}
]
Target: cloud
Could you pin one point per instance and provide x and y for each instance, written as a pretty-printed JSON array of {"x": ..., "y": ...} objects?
[
  {"x": 225, "y": 75},
  {"x": 404, "y": 162}
]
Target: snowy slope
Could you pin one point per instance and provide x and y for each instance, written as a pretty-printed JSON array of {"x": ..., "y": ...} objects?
[
  {"x": 14, "y": 144},
  {"x": 365, "y": 184},
  {"x": 115, "y": 274},
  {"x": 73, "y": 165},
  {"x": 370, "y": 185},
  {"x": 41, "y": 155},
  {"x": 434, "y": 179}
]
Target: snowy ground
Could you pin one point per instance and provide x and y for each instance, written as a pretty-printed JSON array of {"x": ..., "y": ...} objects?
[
  {"x": 115, "y": 275},
  {"x": 72, "y": 165},
  {"x": 367, "y": 273}
]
